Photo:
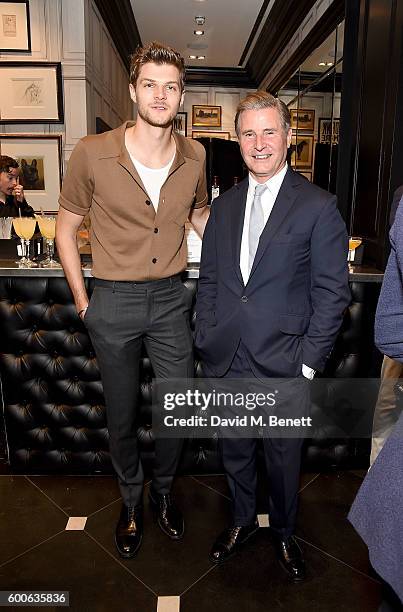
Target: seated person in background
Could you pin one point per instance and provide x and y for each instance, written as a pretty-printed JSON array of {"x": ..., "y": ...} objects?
[{"x": 11, "y": 192}]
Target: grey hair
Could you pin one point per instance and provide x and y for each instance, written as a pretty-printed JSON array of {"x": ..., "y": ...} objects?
[{"x": 262, "y": 99}]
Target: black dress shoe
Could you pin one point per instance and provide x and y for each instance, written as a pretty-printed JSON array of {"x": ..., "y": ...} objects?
[
  {"x": 229, "y": 542},
  {"x": 129, "y": 531},
  {"x": 290, "y": 557},
  {"x": 167, "y": 515}
]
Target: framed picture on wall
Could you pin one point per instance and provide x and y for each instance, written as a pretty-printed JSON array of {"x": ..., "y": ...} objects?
[
  {"x": 303, "y": 119},
  {"x": 15, "y": 31},
  {"x": 31, "y": 92},
  {"x": 302, "y": 151},
  {"x": 39, "y": 157},
  {"x": 181, "y": 123},
  {"x": 306, "y": 174},
  {"x": 222, "y": 135},
  {"x": 325, "y": 131},
  {"x": 206, "y": 116}
]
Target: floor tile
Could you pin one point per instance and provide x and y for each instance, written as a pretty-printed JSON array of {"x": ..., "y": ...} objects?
[
  {"x": 76, "y": 523},
  {"x": 27, "y": 517},
  {"x": 322, "y": 518},
  {"x": 168, "y": 604},
  {"x": 79, "y": 495},
  {"x": 216, "y": 482},
  {"x": 253, "y": 582},
  {"x": 170, "y": 567},
  {"x": 73, "y": 562}
]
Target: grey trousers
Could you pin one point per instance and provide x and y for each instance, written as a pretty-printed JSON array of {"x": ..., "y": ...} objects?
[
  {"x": 121, "y": 316},
  {"x": 386, "y": 410}
]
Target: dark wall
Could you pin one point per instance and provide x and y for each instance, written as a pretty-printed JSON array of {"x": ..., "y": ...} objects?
[{"x": 371, "y": 149}]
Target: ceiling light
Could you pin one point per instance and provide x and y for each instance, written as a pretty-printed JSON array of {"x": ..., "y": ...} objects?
[
  {"x": 200, "y": 20},
  {"x": 192, "y": 57},
  {"x": 329, "y": 64},
  {"x": 322, "y": 63},
  {"x": 198, "y": 32},
  {"x": 201, "y": 57}
]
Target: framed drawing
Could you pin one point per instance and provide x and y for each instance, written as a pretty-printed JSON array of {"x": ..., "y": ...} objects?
[
  {"x": 40, "y": 162},
  {"x": 15, "y": 32},
  {"x": 302, "y": 119},
  {"x": 325, "y": 131},
  {"x": 302, "y": 151},
  {"x": 206, "y": 116},
  {"x": 222, "y": 135},
  {"x": 31, "y": 92},
  {"x": 181, "y": 123}
]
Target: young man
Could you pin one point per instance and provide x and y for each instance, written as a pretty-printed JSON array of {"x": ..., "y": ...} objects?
[
  {"x": 140, "y": 183},
  {"x": 12, "y": 199},
  {"x": 272, "y": 289}
]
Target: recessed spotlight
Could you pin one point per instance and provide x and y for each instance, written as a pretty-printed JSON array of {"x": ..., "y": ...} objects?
[
  {"x": 198, "y": 32},
  {"x": 192, "y": 57},
  {"x": 200, "y": 20},
  {"x": 322, "y": 63},
  {"x": 201, "y": 57},
  {"x": 329, "y": 64}
]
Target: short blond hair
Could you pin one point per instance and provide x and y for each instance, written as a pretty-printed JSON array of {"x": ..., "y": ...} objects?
[
  {"x": 262, "y": 99},
  {"x": 158, "y": 54}
]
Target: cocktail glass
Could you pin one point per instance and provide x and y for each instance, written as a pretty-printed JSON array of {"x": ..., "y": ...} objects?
[
  {"x": 47, "y": 227},
  {"x": 25, "y": 228},
  {"x": 353, "y": 244}
]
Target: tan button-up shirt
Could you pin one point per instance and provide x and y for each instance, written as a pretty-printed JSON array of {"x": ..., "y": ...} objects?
[{"x": 129, "y": 240}]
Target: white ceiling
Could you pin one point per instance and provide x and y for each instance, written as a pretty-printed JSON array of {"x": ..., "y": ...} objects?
[{"x": 227, "y": 27}]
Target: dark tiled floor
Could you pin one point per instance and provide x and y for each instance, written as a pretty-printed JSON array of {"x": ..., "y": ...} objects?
[{"x": 37, "y": 553}]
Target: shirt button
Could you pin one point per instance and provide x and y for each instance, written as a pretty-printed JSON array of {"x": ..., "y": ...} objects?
[
  {"x": 148, "y": 202},
  {"x": 244, "y": 299},
  {"x": 154, "y": 260},
  {"x": 155, "y": 230}
]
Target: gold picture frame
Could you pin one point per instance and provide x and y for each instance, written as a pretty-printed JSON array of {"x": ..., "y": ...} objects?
[
  {"x": 302, "y": 151},
  {"x": 303, "y": 119},
  {"x": 206, "y": 134},
  {"x": 204, "y": 115}
]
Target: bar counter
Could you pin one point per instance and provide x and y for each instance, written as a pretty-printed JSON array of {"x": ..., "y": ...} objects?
[
  {"x": 361, "y": 274},
  {"x": 51, "y": 391}
]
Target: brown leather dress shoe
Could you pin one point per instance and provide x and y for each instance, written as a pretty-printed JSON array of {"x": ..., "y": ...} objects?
[
  {"x": 229, "y": 542},
  {"x": 290, "y": 557},
  {"x": 129, "y": 531},
  {"x": 167, "y": 515}
]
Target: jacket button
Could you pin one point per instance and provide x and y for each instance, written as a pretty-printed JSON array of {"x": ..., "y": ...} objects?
[
  {"x": 244, "y": 299},
  {"x": 155, "y": 230},
  {"x": 154, "y": 260},
  {"x": 148, "y": 202}
]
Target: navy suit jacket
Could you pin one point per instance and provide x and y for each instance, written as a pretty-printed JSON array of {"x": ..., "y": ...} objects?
[{"x": 292, "y": 306}]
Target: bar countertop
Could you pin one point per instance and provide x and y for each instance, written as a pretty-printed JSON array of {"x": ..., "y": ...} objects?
[{"x": 361, "y": 274}]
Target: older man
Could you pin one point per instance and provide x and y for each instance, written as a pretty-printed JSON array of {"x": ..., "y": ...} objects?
[{"x": 272, "y": 290}]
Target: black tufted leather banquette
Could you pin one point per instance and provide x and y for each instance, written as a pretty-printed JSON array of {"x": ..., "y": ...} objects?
[{"x": 52, "y": 400}]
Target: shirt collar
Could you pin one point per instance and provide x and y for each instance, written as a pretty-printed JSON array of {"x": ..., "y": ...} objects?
[{"x": 273, "y": 184}]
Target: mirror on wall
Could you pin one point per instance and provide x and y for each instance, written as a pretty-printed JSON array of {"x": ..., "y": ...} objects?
[{"x": 313, "y": 95}]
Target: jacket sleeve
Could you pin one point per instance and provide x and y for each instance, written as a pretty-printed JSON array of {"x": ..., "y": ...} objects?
[
  {"x": 330, "y": 292},
  {"x": 207, "y": 286}
]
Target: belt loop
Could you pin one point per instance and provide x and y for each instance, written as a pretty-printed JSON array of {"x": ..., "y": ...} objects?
[{"x": 113, "y": 286}]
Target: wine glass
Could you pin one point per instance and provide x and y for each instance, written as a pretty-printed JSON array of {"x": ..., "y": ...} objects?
[
  {"x": 25, "y": 228},
  {"x": 47, "y": 227}
]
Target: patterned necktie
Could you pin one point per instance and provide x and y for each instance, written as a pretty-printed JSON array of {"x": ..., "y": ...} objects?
[{"x": 256, "y": 223}]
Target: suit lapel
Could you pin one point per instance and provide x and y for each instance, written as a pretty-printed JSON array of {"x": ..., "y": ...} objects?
[
  {"x": 282, "y": 206},
  {"x": 236, "y": 219}
]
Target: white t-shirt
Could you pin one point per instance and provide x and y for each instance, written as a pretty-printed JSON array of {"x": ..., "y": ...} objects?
[{"x": 153, "y": 178}]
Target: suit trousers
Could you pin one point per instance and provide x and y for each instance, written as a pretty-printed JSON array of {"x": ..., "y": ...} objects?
[
  {"x": 282, "y": 459},
  {"x": 120, "y": 318}
]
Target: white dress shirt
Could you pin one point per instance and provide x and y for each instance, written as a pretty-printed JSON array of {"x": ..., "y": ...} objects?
[{"x": 267, "y": 199}]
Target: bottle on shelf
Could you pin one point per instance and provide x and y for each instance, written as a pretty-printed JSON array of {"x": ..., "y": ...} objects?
[
  {"x": 215, "y": 188},
  {"x": 236, "y": 180}
]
